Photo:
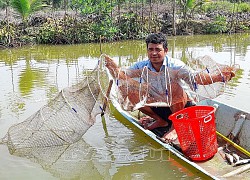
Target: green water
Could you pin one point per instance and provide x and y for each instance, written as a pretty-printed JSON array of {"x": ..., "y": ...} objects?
[{"x": 111, "y": 149}]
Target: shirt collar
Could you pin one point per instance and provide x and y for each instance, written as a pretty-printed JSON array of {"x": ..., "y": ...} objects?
[{"x": 165, "y": 62}]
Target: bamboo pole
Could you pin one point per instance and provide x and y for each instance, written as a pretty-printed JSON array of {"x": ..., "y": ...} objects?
[{"x": 105, "y": 102}]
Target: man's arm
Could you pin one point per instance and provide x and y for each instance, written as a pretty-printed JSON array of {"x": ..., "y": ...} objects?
[
  {"x": 113, "y": 68},
  {"x": 225, "y": 75},
  {"x": 116, "y": 71}
]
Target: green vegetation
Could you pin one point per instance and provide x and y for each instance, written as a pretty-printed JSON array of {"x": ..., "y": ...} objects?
[
  {"x": 219, "y": 25},
  {"x": 225, "y": 6},
  {"x": 26, "y": 7},
  {"x": 84, "y": 21}
]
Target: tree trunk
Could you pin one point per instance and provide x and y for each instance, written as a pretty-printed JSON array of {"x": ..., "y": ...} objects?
[
  {"x": 174, "y": 18},
  {"x": 150, "y": 15},
  {"x": 232, "y": 24},
  {"x": 65, "y": 6},
  {"x": 8, "y": 22}
]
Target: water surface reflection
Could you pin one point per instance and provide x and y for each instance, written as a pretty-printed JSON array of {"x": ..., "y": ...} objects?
[{"x": 31, "y": 76}]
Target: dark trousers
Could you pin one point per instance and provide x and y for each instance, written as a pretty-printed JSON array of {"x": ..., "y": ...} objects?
[{"x": 164, "y": 113}]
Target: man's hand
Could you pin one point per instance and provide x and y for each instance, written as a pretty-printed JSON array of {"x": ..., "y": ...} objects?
[
  {"x": 113, "y": 68},
  {"x": 228, "y": 73},
  {"x": 109, "y": 63}
]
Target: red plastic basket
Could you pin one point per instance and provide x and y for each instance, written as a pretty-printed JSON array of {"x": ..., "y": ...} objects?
[{"x": 195, "y": 127}]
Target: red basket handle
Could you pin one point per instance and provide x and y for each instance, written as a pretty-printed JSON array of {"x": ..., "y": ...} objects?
[
  {"x": 179, "y": 116},
  {"x": 208, "y": 118}
]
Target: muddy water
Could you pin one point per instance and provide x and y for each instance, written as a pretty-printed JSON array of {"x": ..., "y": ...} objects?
[{"x": 112, "y": 148}]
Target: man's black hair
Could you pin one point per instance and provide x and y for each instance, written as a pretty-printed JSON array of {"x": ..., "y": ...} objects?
[{"x": 157, "y": 38}]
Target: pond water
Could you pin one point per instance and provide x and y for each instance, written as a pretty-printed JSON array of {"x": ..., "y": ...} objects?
[{"x": 111, "y": 148}]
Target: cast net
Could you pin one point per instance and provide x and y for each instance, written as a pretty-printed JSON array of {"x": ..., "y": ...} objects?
[
  {"x": 72, "y": 112},
  {"x": 200, "y": 79},
  {"x": 210, "y": 78},
  {"x": 69, "y": 161},
  {"x": 63, "y": 120}
]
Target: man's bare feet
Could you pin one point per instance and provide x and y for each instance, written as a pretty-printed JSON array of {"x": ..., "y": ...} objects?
[
  {"x": 149, "y": 123},
  {"x": 170, "y": 136},
  {"x": 146, "y": 120}
]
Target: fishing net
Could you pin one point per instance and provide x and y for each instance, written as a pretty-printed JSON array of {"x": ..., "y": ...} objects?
[
  {"x": 210, "y": 78},
  {"x": 63, "y": 120},
  {"x": 72, "y": 112},
  {"x": 202, "y": 78},
  {"x": 69, "y": 161}
]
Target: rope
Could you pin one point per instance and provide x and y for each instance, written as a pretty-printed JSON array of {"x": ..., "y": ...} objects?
[
  {"x": 140, "y": 87},
  {"x": 168, "y": 82}
]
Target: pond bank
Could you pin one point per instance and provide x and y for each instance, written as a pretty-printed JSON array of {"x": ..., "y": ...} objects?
[{"x": 62, "y": 27}]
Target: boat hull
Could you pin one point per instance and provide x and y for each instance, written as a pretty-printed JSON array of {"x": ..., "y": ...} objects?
[{"x": 216, "y": 167}]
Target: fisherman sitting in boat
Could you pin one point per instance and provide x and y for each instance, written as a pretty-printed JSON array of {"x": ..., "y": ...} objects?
[{"x": 158, "y": 62}]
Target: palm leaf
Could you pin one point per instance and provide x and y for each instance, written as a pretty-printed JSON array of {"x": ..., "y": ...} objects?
[
  {"x": 22, "y": 7},
  {"x": 26, "y": 7},
  {"x": 190, "y": 3}
]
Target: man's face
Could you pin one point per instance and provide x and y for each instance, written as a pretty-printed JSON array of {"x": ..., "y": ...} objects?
[{"x": 156, "y": 53}]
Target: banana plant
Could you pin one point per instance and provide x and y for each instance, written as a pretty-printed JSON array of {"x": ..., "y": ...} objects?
[{"x": 188, "y": 6}]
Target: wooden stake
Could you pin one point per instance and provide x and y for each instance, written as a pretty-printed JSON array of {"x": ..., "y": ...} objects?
[{"x": 106, "y": 98}]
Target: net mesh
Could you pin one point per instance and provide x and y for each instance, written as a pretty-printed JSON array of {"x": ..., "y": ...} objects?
[
  {"x": 202, "y": 78},
  {"x": 69, "y": 161},
  {"x": 62, "y": 121},
  {"x": 210, "y": 78},
  {"x": 72, "y": 112}
]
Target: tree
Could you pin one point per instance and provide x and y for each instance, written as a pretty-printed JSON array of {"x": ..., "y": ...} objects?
[
  {"x": 174, "y": 17},
  {"x": 100, "y": 12},
  {"x": 26, "y": 7},
  {"x": 188, "y": 7},
  {"x": 5, "y": 5}
]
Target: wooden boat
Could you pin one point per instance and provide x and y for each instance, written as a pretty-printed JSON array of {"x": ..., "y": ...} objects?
[{"x": 232, "y": 126}]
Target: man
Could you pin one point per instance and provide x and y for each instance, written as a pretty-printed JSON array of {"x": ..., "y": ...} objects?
[
  {"x": 158, "y": 61},
  {"x": 157, "y": 53}
]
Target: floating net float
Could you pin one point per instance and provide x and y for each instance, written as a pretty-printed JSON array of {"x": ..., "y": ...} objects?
[{"x": 203, "y": 77}]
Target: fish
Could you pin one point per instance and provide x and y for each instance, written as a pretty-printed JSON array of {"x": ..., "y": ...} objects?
[
  {"x": 241, "y": 162},
  {"x": 221, "y": 152},
  {"x": 236, "y": 157},
  {"x": 229, "y": 158}
]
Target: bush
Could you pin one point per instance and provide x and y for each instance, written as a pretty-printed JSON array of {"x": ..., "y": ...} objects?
[
  {"x": 218, "y": 6},
  {"x": 47, "y": 33},
  {"x": 244, "y": 7},
  {"x": 225, "y": 6},
  {"x": 63, "y": 31},
  {"x": 130, "y": 27},
  {"x": 7, "y": 33},
  {"x": 217, "y": 26}
]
